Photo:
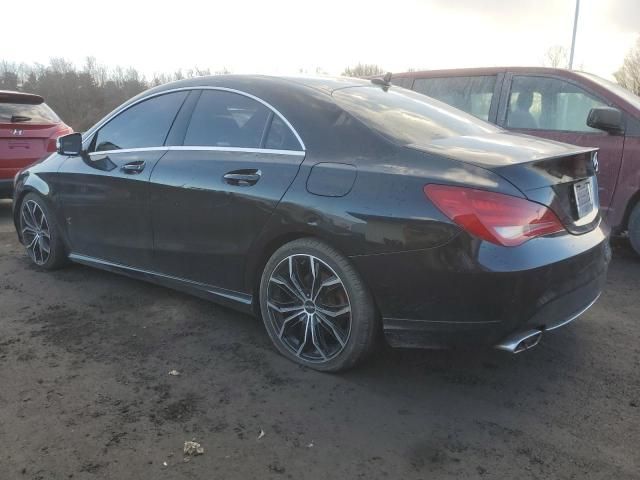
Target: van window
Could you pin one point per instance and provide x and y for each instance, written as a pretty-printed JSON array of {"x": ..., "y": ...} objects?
[
  {"x": 470, "y": 94},
  {"x": 404, "y": 82},
  {"x": 545, "y": 103}
]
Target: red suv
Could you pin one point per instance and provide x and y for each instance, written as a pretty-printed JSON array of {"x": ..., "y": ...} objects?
[
  {"x": 571, "y": 107},
  {"x": 28, "y": 132}
]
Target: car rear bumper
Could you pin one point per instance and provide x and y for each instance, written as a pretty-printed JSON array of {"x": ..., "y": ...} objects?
[{"x": 472, "y": 292}]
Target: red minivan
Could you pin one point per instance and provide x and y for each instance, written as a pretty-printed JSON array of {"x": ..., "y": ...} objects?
[
  {"x": 28, "y": 131},
  {"x": 568, "y": 106}
]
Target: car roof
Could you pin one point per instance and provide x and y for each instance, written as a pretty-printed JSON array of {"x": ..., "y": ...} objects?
[
  {"x": 487, "y": 71},
  {"x": 326, "y": 84}
]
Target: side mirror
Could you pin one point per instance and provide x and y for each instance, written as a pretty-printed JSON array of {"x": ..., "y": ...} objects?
[
  {"x": 70, "y": 144},
  {"x": 606, "y": 118}
]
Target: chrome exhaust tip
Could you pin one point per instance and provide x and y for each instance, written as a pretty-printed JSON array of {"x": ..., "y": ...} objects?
[{"x": 519, "y": 342}]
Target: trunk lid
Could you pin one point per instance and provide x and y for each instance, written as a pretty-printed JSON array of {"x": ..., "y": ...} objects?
[
  {"x": 557, "y": 175},
  {"x": 22, "y": 143},
  {"x": 28, "y": 130}
]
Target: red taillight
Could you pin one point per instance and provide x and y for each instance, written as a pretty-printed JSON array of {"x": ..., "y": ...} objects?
[
  {"x": 497, "y": 218},
  {"x": 59, "y": 132}
]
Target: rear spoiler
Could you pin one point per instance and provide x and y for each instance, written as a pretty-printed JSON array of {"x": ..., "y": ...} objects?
[{"x": 20, "y": 97}]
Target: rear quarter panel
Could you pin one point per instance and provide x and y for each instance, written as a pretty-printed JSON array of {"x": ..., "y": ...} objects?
[{"x": 385, "y": 211}]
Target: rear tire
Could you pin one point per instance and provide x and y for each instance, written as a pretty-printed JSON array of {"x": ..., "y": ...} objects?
[
  {"x": 40, "y": 233},
  {"x": 634, "y": 228},
  {"x": 316, "y": 308}
]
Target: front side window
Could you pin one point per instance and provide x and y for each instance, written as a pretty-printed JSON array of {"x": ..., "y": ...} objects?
[
  {"x": 406, "y": 117},
  {"x": 470, "y": 94},
  {"x": 543, "y": 103},
  {"x": 227, "y": 119},
  {"x": 145, "y": 124}
]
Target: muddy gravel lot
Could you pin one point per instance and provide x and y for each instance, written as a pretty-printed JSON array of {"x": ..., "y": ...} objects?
[{"x": 85, "y": 391}]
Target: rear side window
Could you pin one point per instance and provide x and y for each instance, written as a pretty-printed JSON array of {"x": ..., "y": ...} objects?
[
  {"x": 280, "y": 136},
  {"x": 470, "y": 94},
  {"x": 227, "y": 119},
  {"x": 145, "y": 124},
  {"x": 406, "y": 117},
  {"x": 545, "y": 103},
  {"x": 27, "y": 113}
]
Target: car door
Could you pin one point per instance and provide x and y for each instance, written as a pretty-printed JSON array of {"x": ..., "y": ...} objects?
[
  {"x": 212, "y": 193},
  {"x": 104, "y": 193},
  {"x": 557, "y": 109}
]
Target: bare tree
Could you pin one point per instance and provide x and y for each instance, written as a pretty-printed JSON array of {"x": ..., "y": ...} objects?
[
  {"x": 363, "y": 70},
  {"x": 628, "y": 75},
  {"x": 556, "y": 57}
]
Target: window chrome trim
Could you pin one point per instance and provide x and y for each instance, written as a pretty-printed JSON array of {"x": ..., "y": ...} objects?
[
  {"x": 130, "y": 150},
  {"x": 89, "y": 133},
  {"x": 236, "y": 149},
  {"x": 197, "y": 148}
]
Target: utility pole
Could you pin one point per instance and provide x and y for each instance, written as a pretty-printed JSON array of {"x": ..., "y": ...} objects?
[{"x": 575, "y": 29}]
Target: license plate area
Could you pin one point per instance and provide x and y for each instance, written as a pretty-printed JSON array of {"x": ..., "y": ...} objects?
[{"x": 583, "y": 196}]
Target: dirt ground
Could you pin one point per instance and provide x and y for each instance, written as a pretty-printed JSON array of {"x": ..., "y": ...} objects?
[{"x": 85, "y": 391}]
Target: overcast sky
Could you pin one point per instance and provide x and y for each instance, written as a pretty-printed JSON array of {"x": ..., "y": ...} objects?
[{"x": 283, "y": 36}]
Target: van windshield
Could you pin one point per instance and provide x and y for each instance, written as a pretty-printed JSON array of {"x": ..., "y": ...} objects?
[
  {"x": 406, "y": 117},
  {"x": 619, "y": 90}
]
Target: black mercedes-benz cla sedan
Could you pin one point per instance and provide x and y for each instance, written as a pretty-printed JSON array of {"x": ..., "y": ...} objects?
[{"x": 333, "y": 208}]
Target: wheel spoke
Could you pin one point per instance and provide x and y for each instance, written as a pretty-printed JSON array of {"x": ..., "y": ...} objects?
[
  {"x": 306, "y": 336},
  {"x": 27, "y": 230},
  {"x": 314, "y": 274},
  {"x": 42, "y": 220},
  {"x": 43, "y": 245},
  {"x": 333, "y": 313},
  {"x": 32, "y": 243},
  {"x": 291, "y": 290},
  {"x": 332, "y": 328},
  {"x": 295, "y": 316},
  {"x": 37, "y": 252},
  {"x": 316, "y": 340},
  {"x": 32, "y": 213},
  {"x": 327, "y": 283},
  {"x": 27, "y": 221},
  {"x": 291, "y": 308},
  {"x": 293, "y": 275}
]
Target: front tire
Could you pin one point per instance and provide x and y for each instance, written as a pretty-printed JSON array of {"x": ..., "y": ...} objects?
[
  {"x": 634, "y": 228},
  {"x": 40, "y": 234},
  {"x": 315, "y": 306}
]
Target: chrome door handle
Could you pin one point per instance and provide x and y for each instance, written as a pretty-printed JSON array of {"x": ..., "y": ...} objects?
[
  {"x": 243, "y": 178},
  {"x": 133, "y": 167}
]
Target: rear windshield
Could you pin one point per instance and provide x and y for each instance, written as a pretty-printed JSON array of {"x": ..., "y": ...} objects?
[
  {"x": 406, "y": 117},
  {"x": 27, "y": 113}
]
